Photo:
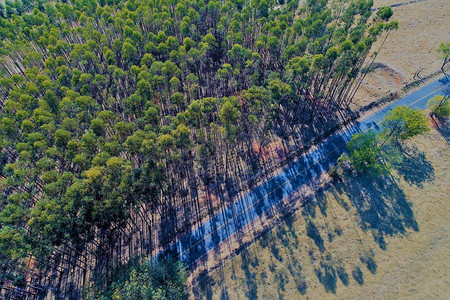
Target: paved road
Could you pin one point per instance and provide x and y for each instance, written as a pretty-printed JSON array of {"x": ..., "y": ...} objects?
[{"x": 222, "y": 225}]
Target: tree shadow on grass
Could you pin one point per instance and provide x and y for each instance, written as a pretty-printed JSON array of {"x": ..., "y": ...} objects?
[
  {"x": 358, "y": 275},
  {"x": 202, "y": 289},
  {"x": 325, "y": 267},
  {"x": 224, "y": 295},
  {"x": 369, "y": 261},
  {"x": 442, "y": 126},
  {"x": 287, "y": 234},
  {"x": 381, "y": 205},
  {"x": 283, "y": 244},
  {"x": 328, "y": 271},
  {"x": 313, "y": 232},
  {"x": 309, "y": 214},
  {"x": 248, "y": 260},
  {"x": 414, "y": 167},
  {"x": 327, "y": 275},
  {"x": 321, "y": 199},
  {"x": 295, "y": 269},
  {"x": 343, "y": 276},
  {"x": 382, "y": 208},
  {"x": 289, "y": 246}
]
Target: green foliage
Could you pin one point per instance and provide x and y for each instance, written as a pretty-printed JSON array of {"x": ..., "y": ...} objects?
[
  {"x": 403, "y": 123},
  {"x": 107, "y": 105},
  {"x": 444, "y": 50},
  {"x": 364, "y": 153},
  {"x": 439, "y": 106},
  {"x": 62, "y": 137},
  {"x": 13, "y": 243},
  {"x": 159, "y": 280},
  {"x": 385, "y": 13},
  {"x": 342, "y": 167},
  {"x": 228, "y": 115},
  {"x": 371, "y": 152}
]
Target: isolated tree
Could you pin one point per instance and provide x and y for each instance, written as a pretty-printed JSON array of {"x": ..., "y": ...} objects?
[
  {"x": 364, "y": 153},
  {"x": 402, "y": 123},
  {"x": 440, "y": 106},
  {"x": 444, "y": 51}
]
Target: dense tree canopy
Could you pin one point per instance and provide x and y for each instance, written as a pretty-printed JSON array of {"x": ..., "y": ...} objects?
[
  {"x": 109, "y": 104},
  {"x": 161, "y": 280}
]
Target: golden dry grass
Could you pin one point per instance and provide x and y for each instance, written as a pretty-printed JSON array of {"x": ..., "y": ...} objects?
[
  {"x": 360, "y": 239},
  {"x": 422, "y": 27}
]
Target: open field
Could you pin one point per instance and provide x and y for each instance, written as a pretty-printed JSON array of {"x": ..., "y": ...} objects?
[
  {"x": 364, "y": 238},
  {"x": 422, "y": 27}
]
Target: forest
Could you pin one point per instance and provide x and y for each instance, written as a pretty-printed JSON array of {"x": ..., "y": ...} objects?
[{"x": 123, "y": 124}]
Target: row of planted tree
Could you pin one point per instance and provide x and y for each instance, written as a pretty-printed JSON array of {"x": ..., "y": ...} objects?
[{"x": 120, "y": 120}]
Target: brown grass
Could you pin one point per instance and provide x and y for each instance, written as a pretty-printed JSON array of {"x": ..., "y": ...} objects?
[
  {"x": 422, "y": 27},
  {"x": 362, "y": 238}
]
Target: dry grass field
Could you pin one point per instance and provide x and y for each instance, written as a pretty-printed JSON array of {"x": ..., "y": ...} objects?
[
  {"x": 422, "y": 27},
  {"x": 363, "y": 238}
]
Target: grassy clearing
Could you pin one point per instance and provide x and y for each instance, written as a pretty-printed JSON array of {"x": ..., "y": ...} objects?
[
  {"x": 422, "y": 27},
  {"x": 362, "y": 238}
]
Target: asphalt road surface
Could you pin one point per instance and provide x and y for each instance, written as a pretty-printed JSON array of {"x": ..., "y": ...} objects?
[{"x": 221, "y": 226}]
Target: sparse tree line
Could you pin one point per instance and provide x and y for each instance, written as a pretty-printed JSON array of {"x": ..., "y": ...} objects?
[
  {"x": 373, "y": 152},
  {"x": 116, "y": 116}
]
